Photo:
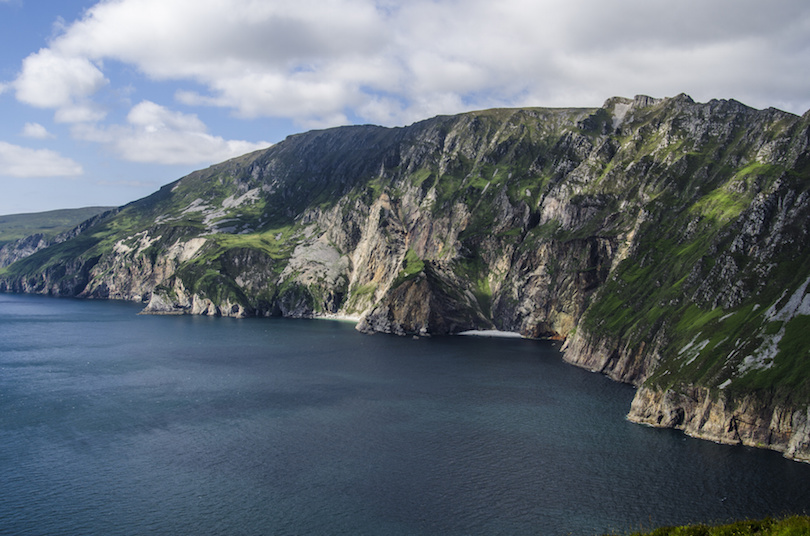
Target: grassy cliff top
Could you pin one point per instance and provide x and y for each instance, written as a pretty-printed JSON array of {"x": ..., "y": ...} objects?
[{"x": 53, "y": 222}]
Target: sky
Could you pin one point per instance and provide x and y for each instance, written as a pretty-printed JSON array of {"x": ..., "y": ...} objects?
[{"x": 103, "y": 102}]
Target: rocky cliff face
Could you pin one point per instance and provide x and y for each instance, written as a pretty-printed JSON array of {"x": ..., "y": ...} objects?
[
  {"x": 22, "y": 248},
  {"x": 749, "y": 420},
  {"x": 665, "y": 240}
]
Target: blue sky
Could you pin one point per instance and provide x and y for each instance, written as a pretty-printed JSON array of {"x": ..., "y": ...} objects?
[{"x": 104, "y": 102}]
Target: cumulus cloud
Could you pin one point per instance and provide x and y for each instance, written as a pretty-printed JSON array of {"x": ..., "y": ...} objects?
[
  {"x": 324, "y": 62},
  {"x": 36, "y": 131},
  {"x": 188, "y": 37},
  {"x": 16, "y": 161},
  {"x": 50, "y": 79},
  {"x": 155, "y": 134}
]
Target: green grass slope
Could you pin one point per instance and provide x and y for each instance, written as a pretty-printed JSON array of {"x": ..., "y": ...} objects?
[{"x": 50, "y": 223}]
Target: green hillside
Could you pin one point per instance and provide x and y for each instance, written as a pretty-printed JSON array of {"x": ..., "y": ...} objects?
[{"x": 50, "y": 223}]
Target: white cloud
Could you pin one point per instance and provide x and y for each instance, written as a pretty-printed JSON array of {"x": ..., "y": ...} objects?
[
  {"x": 320, "y": 62},
  {"x": 83, "y": 112},
  {"x": 50, "y": 79},
  {"x": 16, "y": 161},
  {"x": 36, "y": 131},
  {"x": 188, "y": 37},
  {"x": 152, "y": 117},
  {"x": 155, "y": 134}
]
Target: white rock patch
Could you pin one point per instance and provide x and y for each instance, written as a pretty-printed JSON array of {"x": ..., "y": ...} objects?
[
  {"x": 798, "y": 304},
  {"x": 248, "y": 197},
  {"x": 619, "y": 113}
]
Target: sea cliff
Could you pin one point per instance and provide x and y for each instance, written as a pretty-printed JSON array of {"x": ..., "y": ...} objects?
[{"x": 666, "y": 241}]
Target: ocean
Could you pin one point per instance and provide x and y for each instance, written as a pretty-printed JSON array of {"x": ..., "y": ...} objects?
[{"x": 116, "y": 423}]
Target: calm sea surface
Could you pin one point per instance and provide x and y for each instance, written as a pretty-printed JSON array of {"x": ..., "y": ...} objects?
[{"x": 114, "y": 423}]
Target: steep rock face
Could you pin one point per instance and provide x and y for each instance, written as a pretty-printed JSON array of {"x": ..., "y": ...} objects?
[
  {"x": 545, "y": 290},
  {"x": 705, "y": 309},
  {"x": 429, "y": 302},
  {"x": 616, "y": 359},
  {"x": 748, "y": 421},
  {"x": 665, "y": 240},
  {"x": 20, "y": 249}
]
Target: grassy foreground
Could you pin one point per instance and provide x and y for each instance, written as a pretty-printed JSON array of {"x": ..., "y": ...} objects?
[{"x": 789, "y": 526}]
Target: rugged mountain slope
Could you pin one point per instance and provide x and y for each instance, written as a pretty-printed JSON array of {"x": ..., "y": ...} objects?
[{"x": 665, "y": 240}]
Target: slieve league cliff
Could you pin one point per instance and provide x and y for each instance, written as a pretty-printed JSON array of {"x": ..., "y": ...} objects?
[{"x": 665, "y": 241}]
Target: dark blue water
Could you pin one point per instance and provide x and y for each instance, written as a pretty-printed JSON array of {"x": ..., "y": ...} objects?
[{"x": 114, "y": 423}]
